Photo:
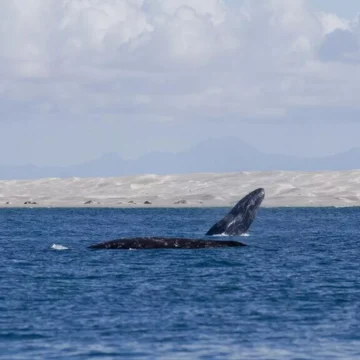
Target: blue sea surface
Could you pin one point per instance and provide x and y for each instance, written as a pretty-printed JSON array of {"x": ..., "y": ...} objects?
[{"x": 293, "y": 293}]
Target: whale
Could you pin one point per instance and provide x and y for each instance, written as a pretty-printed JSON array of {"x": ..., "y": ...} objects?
[
  {"x": 235, "y": 223},
  {"x": 164, "y": 243}
]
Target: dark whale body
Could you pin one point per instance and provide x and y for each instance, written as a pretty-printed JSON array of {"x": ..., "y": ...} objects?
[
  {"x": 241, "y": 216},
  {"x": 235, "y": 223},
  {"x": 164, "y": 243}
]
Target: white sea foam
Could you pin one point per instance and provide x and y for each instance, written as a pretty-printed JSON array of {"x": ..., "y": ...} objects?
[
  {"x": 58, "y": 247},
  {"x": 226, "y": 235}
]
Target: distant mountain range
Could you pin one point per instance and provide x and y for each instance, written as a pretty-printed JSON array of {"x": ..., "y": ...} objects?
[{"x": 216, "y": 155}]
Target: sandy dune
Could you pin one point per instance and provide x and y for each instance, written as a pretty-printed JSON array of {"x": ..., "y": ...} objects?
[{"x": 210, "y": 189}]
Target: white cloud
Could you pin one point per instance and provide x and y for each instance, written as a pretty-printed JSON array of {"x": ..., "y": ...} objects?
[
  {"x": 331, "y": 22},
  {"x": 173, "y": 59},
  {"x": 106, "y": 51}
]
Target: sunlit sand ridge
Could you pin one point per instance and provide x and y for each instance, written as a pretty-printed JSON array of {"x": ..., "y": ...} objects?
[{"x": 210, "y": 189}]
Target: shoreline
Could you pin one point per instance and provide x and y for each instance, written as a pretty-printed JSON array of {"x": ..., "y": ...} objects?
[
  {"x": 13, "y": 207},
  {"x": 203, "y": 190}
]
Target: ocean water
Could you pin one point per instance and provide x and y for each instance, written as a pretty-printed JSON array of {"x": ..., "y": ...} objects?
[{"x": 293, "y": 293}]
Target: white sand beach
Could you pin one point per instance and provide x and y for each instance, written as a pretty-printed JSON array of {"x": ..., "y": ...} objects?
[{"x": 283, "y": 188}]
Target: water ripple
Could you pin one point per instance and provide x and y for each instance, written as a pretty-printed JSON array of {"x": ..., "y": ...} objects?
[{"x": 291, "y": 294}]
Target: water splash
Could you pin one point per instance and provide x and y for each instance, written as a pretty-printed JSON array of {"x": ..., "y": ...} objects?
[
  {"x": 223, "y": 234},
  {"x": 58, "y": 247}
]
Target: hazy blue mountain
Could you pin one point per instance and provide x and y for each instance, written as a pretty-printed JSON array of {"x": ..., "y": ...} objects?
[{"x": 215, "y": 155}]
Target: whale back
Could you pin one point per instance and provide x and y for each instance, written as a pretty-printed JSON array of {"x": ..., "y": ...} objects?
[
  {"x": 143, "y": 243},
  {"x": 241, "y": 216}
]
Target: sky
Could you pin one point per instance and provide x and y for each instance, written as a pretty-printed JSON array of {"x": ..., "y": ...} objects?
[
  {"x": 80, "y": 78},
  {"x": 345, "y": 9}
]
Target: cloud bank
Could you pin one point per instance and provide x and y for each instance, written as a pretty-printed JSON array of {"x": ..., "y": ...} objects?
[{"x": 174, "y": 61}]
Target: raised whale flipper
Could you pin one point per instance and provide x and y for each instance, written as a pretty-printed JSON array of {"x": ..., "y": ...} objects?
[{"x": 239, "y": 219}]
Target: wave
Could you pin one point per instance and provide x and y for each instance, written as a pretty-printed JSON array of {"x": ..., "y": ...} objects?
[
  {"x": 58, "y": 247},
  {"x": 219, "y": 235}
]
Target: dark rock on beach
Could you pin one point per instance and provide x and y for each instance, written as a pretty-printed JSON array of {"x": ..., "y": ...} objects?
[{"x": 180, "y": 202}]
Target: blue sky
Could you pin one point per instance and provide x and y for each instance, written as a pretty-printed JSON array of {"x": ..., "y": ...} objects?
[
  {"x": 346, "y": 8},
  {"x": 82, "y": 78}
]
